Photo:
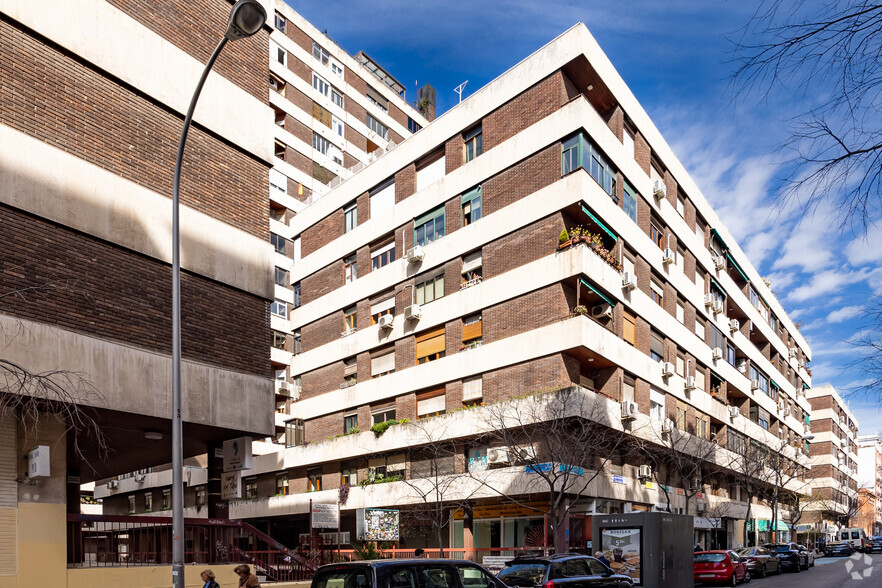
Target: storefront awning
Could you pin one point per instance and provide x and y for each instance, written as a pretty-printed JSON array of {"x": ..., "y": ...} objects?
[
  {"x": 599, "y": 224},
  {"x": 588, "y": 285}
]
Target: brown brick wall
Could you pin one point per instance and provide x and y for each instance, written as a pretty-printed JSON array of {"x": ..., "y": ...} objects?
[
  {"x": 106, "y": 291},
  {"x": 523, "y": 246},
  {"x": 322, "y": 282},
  {"x": 320, "y": 429},
  {"x": 72, "y": 106},
  {"x": 525, "y": 313},
  {"x": 524, "y": 110},
  {"x": 532, "y": 376},
  {"x": 321, "y": 233},
  {"x": 321, "y": 380},
  {"x": 322, "y": 331},
  {"x": 522, "y": 179},
  {"x": 195, "y": 26}
]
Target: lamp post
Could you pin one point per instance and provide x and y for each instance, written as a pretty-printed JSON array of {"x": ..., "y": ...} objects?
[{"x": 246, "y": 18}]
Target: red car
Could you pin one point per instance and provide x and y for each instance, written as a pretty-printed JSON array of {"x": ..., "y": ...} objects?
[{"x": 720, "y": 567}]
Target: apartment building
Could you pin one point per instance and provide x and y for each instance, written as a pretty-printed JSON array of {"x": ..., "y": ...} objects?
[
  {"x": 834, "y": 472},
  {"x": 541, "y": 235},
  {"x": 869, "y": 451},
  {"x": 92, "y": 102}
]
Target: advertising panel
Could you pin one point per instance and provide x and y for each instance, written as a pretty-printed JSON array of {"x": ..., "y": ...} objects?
[
  {"x": 231, "y": 485},
  {"x": 375, "y": 524},
  {"x": 324, "y": 516},
  {"x": 622, "y": 547}
]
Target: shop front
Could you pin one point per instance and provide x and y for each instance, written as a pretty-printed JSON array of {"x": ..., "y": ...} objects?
[
  {"x": 759, "y": 531},
  {"x": 497, "y": 526}
]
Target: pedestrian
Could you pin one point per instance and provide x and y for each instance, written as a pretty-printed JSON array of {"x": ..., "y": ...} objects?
[
  {"x": 697, "y": 547},
  {"x": 600, "y": 558},
  {"x": 418, "y": 552},
  {"x": 246, "y": 578},
  {"x": 208, "y": 578}
]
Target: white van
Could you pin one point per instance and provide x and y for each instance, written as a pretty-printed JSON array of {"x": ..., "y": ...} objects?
[{"x": 854, "y": 535}]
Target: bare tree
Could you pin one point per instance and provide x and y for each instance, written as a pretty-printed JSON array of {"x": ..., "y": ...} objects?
[
  {"x": 748, "y": 468},
  {"x": 560, "y": 441},
  {"x": 434, "y": 480},
  {"x": 797, "y": 502},
  {"x": 782, "y": 471}
]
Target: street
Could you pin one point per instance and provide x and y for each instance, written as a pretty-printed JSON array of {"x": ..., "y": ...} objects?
[{"x": 831, "y": 572}]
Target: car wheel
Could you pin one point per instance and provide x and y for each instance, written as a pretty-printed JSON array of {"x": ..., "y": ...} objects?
[
  {"x": 734, "y": 580},
  {"x": 747, "y": 577},
  {"x": 797, "y": 568},
  {"x": 763, "y": 572}
]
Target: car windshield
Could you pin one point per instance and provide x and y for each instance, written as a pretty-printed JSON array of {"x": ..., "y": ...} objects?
[
  {"x": 709, "y": 557},
  {"x": 782, "y": 548},
  {"x": 524, "y": 574},
  {"x": 342, "y": 577},
  {"x": 745, "y": 551}
]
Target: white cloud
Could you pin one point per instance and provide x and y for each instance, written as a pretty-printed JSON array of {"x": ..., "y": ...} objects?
[
  {"x": 844, "y": 313},
  {"x": 826, "y": 282},
  {"x": 866, "y": 249}
]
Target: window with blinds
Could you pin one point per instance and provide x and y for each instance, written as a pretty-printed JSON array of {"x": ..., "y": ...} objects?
[
  {"x": 472, "y": 389},
  {"x": 656, "y": 347},
  {"x": 430, "y": 345},
  {"x": 383, "y": 364},
  {"x": 431, "y": 403},
  {"x": 471, "y": 328},
  {"x": 630, "y": 327}
]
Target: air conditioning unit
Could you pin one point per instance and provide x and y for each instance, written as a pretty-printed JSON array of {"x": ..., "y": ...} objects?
[
  {"x": 844, "y": 441},
  {"x": 667, "y": 369},
  {"x": 719, "y": 262},
  {"x": 113, "y": 485},
  {"x": 786, "y": 412},
  {"x": 718, "y": 306},
  {"x": 690, "y": 382},
  {"x": 413, "y": 312},
  {"x": 667, "y": 426},
  {"x": 807, "y": 429},
  {"x": 629, "y": 281},
  {"x": 734, "y": 325},
  {"x": 659, "y": 190},
  {"x": 733, "y": 412},
  {"x": 802, "y": 363},
  {"x": 644, "y": 472},
  {"x": 792, "y": 352},
  {"x": 842, "y": 420},
  {"x": 601, "y": 310},
  {"x": 497, "y": 456},
  {"x": 629, "y": 410},
  {"x": 386, "y": 321},
  {"x": 754, "y": 384},
  {"x": 695, "y": 484},
  {"x": 717, "y": 353},
  {"x": 415, "y": 254},
  {"x": 139, "y": 478},
  {"x": 742, "y": 366},
  {"x": 668, "y": 256},
  {"x": 708, "y": 299},
  {"x": 781, "y": 406}
]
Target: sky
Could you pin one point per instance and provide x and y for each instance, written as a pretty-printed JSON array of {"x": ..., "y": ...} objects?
[{"x": 676, "y": 56}]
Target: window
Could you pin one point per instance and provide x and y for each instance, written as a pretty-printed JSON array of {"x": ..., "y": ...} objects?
[
  {"x": 349, "y": 320},
  {"x": 382, "y": 415},
  {"x": 656, "y": 347},
  {"x": 628, "y": 263},
  {"x": 294, "y": 433},
  {"x": 281, "y": 277},
  {"x": 736, "y": 442},
  {"x": 279, "y": 340},
  {"x": 278, "y": 53},
  {"x": 762, "y": 379},
  {"x": 297, "y": 300},
  {"x": 350, "y": 423},
  {"x": 250, "y": 488},
  {"x": 350, "y": 269},
  {"x": 681, "y": 416},
  {"x": 579, "y": 151},
  {"x": 681, "y": 312},
  {"x": 701, "y": 426},
  {"x": 657, "y": 292},
  {"x": 627, "y": 389},
  {"x": 320, "y": 53},
  {"x": 279, "y": 308},
  {"x": 716, "y": 338},
  {"x": 699, "y": 379},
  {"x": 380, "y": 308},
  {"x": 429, "y": 227},
  {"x": 320, "y": 144},
  {"x": 759, "y": 416},
  {"x": 656, "y": 404},
  {"x": 376, "y": 126},
  {"x": 730, "y": 353},
  {"x": 412, "y": 125},
  {"x": 350, "y": 217},
  {"x": 131, "y": 503},
  {"x": 680, "y": 260},
  {"x": 313, "y": 480},
  {"x": 383, "y": 364},
  {"x": 472, "y": 270},
  {"x": 336, "y": 68},
  {"x": 280, "y": 22},
  {"x": 472, "y": 332},
  {"x": 656, "y": 234},
  {"x": 474, "y": 143},
  {"x": 630, "y": 327},
  {"x": 349, "y": 476},
  {"x": 297, "y": 342},
  {"x": 337, "y": 125},
  {"x": 336, "y": 97},
  {"x": 383, "y": 256},
  {"x": 279, "y": 243},
  {"x": 431, "y": 169},
  {"x": 377, "y": 99},
  {"x": 681, "y": 366},
  {"x": 757, "y": 303},
  {"x": 321, "y": 85},
  {"x": 430, "y": 345},
  {"x": 471, "y": 205},
  {"x": 282, "y": 485},
  {"x": 430, "y": 289},
  {"x": 431, "y": 403},
  {"x": 628, "y": 142},
  {"x": 277, "y": 84},
  {"x": 148, "y": 502},
  {"x": 699, "y": 329},
  {"x": 681, "y": 205},
  {"x": 629, "y": 201},
  {"x": 472, "y": 389},
  {"x": 382, "y": 198}
]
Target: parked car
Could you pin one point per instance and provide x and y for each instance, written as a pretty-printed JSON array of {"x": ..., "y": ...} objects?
[
  {"x": 809, "y": 553},
  {"x": 789, "y": 556},
  {"x": 854, "y": 535},
  {"x": 837, "y": 549},
  {"x": 760, "y": 561},
  {"x": 719, "y": 567},
  {"x": 405, "y": 573},
  {"x": 564, "y": 570},
  {"x": 874, "y": 544}
]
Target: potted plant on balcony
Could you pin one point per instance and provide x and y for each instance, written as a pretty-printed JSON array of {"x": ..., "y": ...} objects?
[
  {"x": 564, "y": 239},
  {"x": 580, "y": 310}
]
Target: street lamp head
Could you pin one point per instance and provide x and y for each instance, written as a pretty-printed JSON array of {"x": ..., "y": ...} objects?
[
  {"x": 807, "y": 437},
  {"x": 246, "y": 18}
]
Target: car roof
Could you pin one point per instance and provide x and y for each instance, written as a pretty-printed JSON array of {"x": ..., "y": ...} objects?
[
  {"x": 388, "y": 562},
  {"x": 548, "y": 558}
]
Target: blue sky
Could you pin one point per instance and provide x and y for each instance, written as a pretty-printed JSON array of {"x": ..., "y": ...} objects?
[{"x": 677, "y": 60}]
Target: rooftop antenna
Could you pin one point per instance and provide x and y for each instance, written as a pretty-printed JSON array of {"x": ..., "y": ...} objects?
[{"x": 460, "y": 88}]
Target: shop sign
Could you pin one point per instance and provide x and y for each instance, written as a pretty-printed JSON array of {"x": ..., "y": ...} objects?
[
  {"x": 237, "y": 454},
  {"x": 324, "y": 516},
  {"x": 231, "y": 485},
  {"x": 618, "y": 479},
  {"x": 494, "y": 511},
  {"x": 649, "y": 485},
  {"x": 680, "y": 492}
]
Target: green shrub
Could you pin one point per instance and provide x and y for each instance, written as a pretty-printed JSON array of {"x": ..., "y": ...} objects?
[
  {"x": 564, "y": 236},
  {"x": 380, "y": 428}
]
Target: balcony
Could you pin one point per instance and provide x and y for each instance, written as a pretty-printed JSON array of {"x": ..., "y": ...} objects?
[{"x": 594, "y": 241}]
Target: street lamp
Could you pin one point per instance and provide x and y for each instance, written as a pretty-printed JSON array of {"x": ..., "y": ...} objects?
[{"x": 246, "y": 18}]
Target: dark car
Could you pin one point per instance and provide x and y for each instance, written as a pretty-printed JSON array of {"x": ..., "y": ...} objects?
[
  {"x": 874, "y": 544},
  {"x": 564, "y": 570},
  {"x": 405, "y": 573},
  {"x": 789, "y": 557},
  {"x": 760, "y": 561},
  {"x": 724, "y": 567},
  {"x": 809, "y": 553},
  {"x": 838, "y": 549}
]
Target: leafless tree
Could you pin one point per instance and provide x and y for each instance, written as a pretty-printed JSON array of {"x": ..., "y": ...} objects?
[
  {"x": 442, "y": 491},
  {"x": 559, "y": 442},
  {"x": 798, "y": 502},
  {"x": 782, "y": 471},
  {"x": 748, "y": 468}
]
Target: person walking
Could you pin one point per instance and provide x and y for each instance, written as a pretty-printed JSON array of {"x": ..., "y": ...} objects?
[
  {"x": 600, "y": 558},
  {"x": 208, "y": 578},
  {"x": 246, "y": 578},
  {"x": 697, "y": 547}
]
